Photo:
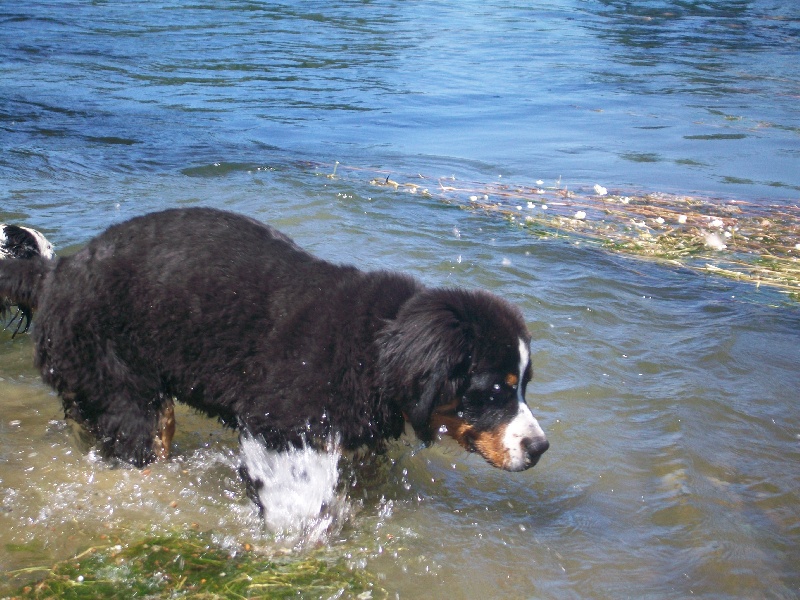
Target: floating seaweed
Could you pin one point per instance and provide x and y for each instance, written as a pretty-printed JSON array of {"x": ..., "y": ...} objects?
[
  {"x": 756, "y": 243},
  {"x": 190, "y": 566}
]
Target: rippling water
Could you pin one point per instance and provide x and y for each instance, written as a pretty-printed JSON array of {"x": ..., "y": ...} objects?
[{"x": 670, "y": 398}]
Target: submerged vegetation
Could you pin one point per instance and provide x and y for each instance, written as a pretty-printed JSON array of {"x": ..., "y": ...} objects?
[
  {"x": 745, "y": 241},
  {"x": 192, "y": 567}
]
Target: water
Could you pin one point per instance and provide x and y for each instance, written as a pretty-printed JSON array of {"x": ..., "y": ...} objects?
[{"x": 670, "y": 398}]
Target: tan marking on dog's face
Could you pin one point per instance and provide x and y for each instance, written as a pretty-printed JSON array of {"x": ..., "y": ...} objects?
[
  {"x": 512, "y": 380},
  {"x": 489, "y": 444},
  {"x": 455, "y": 427}
]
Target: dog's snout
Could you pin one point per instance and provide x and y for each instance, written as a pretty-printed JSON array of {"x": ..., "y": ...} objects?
[{"x": 535, "y": 447}]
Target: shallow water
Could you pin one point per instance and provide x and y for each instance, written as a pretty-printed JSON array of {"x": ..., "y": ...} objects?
[{"x": 669, "y": 398}]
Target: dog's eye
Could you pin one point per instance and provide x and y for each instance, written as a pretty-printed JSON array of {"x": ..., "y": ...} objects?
[
  {"x": 512, "y": 380},
  {"x": 496, "y": 387}
]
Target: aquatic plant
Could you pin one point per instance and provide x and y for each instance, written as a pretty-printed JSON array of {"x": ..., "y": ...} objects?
[
  {"x": 190, "y": 566},
  {"x": 750, "y": 242}
]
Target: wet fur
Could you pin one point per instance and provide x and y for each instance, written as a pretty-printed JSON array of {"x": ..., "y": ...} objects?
[{"x": 229, "y": 316}]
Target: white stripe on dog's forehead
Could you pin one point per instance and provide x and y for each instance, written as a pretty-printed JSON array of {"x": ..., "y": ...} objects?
[
  {"x": 524, "y": 358},
  {"x": 524, "y": 355}
]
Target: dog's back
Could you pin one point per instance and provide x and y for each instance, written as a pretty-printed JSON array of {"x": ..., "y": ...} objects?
[{"x": 218, "y": 310}]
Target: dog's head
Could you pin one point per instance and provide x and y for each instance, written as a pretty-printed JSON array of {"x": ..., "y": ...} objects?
[{"x": 458, "y": 362}]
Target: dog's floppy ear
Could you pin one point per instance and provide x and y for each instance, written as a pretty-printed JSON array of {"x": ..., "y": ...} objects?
[{"x": 425, "y": 355}]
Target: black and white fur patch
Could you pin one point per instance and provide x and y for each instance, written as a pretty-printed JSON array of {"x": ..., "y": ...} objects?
[
  {"x": 23, "y": 242},
  {"x": 17, "y": 242}
]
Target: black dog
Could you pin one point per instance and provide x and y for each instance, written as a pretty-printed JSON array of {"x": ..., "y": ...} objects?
[{"x": 231, "y": 317}]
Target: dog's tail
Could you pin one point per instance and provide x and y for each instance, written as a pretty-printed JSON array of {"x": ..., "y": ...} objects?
[
  {"x": 25, "y": 261},
  {"x": 21, "y": 283}
]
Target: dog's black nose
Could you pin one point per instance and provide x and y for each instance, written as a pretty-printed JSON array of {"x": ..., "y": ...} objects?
[{"x": 535, "y": 448}]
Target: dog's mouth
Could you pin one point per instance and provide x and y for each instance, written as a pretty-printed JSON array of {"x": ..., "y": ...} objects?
[
  {"x": 502, "y": 447},
  {"x": 482, "y": 443}
]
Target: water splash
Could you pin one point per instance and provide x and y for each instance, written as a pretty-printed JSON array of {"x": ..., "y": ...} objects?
[{"x": 298, "y": 489}]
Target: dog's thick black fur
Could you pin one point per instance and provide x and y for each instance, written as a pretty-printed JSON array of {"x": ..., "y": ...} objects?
[{"x": 231, "y": 317}]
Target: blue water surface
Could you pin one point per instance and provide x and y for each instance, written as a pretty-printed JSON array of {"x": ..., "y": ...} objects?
[{"x": 687, "y": 97}]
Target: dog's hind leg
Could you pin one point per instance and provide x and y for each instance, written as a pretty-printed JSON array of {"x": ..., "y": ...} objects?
[
  {"x": 166, "y": 430},
  {"x": 128, "y": 430},
  {"x": 119, "y": 400}
]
